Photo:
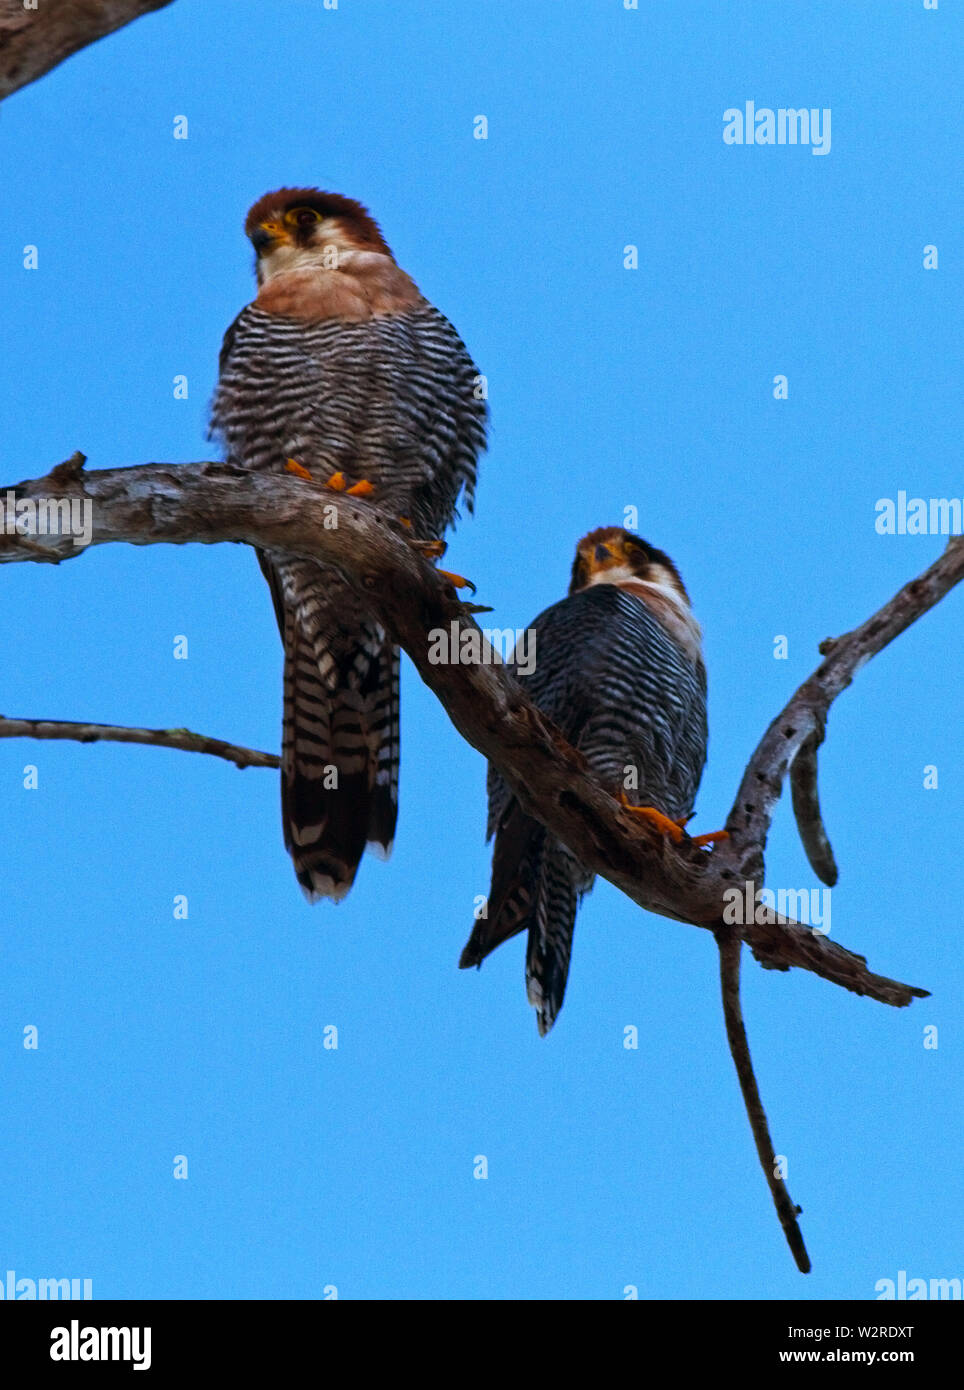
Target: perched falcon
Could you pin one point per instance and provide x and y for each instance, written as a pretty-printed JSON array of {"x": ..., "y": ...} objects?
[
  {"x": 340, "y": 368},
  {"x": 619, "y": 669}
]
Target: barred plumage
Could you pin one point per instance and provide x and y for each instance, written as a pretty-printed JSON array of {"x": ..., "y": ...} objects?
[
  {"x": 631, "y": 697},
  {"x": 392, "y": 399},
  {"x": 344, "y": 367}
]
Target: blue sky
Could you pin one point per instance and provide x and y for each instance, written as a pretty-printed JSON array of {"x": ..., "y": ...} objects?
[{"x": 311, "y": 1168}]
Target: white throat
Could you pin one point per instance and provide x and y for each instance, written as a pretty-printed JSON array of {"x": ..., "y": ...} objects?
[
  {"x": 664, "y": 601},
  {"x": 331, "y": 250}
]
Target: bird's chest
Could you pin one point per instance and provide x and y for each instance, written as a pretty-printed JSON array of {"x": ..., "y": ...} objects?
[{"x": 334, "y": 400}]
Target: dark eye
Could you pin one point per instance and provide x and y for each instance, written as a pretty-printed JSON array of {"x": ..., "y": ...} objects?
[{"x": 302, "y": 217}]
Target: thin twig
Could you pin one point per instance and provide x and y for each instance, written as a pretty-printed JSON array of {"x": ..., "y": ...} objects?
[
  {"x": 730, "y": 946},
  {"x": 183, "y": 739}
]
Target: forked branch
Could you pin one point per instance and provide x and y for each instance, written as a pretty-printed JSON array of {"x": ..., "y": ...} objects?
[{"x": 216, "y": 502}]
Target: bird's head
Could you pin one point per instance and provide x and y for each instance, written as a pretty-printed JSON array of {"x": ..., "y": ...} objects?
[
  {"x": 612, "y": 555},
  {"x": 304, "y": 228}
]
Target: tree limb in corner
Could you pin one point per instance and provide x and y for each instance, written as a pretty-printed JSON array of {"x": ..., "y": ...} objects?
[
  {"x": 34, "y": 40},
  {"x": 216, "y": 502}
]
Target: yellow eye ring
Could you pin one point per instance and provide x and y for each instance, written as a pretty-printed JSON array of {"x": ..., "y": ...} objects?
[{"x": 302, "y": 217}]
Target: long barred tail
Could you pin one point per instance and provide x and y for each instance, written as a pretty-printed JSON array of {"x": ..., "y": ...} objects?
[
  {"x": 536, "y": 887},
  {"x": 340, "y": 737},
  {"x": 551, "y": 927}
]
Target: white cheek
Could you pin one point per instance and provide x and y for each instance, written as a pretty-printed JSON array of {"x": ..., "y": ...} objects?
[
  {"x": 329, "y": 251},
  {"x": 283, "y": 258},
  {"x": 615, "y": 574}
]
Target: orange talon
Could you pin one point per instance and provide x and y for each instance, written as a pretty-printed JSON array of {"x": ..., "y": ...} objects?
[
  {"x": 711, "y": 838},
  {"x": 662, "y": 823},
  {"x": 432, "y": 550},
  {"x": 456, "y": 580},
  {"x": 293, "y": 466},
  {"x": 336, "y": 482},
  {"x": 362, "y": 489}
]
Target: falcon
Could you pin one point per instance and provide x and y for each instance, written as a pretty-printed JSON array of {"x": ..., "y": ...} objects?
[
  {"x": 619, "y": 670},
  {"x": 341, "y": 370}
]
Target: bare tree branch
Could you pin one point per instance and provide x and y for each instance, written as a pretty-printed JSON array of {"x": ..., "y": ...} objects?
[
  {"x": 34, "y": 40},
  {"x": 802, "y": 720},
  {"x": 806, "y": 809},
  {"x": 730, "y": 947},
  {"x": 184, "y": 739},
  {"x": 216, "y": 502}
]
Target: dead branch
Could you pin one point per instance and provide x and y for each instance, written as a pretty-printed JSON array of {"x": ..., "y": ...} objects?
[
  {"x": 798, "y": 728},
  {"x": 806, "y": 808},
  {"x": 183, "y": 739},
  {"x": 216, "y": 502},
  {"x": 33, "y": 40},
  {"x": 730, "y": 947}
]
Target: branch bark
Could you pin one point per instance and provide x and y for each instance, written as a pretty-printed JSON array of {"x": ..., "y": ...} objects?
[
  {"x": 32, "y": 41},
  {"x": 216, "y": 502}
]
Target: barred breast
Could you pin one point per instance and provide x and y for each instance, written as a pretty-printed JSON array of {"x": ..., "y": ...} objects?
[{"x": 394, "y": 399}]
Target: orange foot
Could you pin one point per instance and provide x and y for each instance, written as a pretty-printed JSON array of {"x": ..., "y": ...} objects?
[
  {"x": 293, "y": 466},
  {"x": 672, "y": 828},
  {"x": 662, "y": 823},
  {"x": 457, "y": 581},
  {"x": 338, "y": 483},
  {"x": 432, "y": 550},
  {"x": 711, "y": 838}
]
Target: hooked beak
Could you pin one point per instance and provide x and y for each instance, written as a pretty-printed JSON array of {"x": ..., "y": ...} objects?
[{"x": 266, "y": 235}]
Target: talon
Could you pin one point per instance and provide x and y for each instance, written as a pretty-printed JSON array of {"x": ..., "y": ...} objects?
[
  {"x": 361, "y": 489},
  {"x": 456, "y": 580},
  {"x": 432, "y": 550},
  {"x": 663, "y": 824},
  {"x": 293, "y": 466},
  {"x": 337, "y": 482},
  {"x": 711, "y": 838}
]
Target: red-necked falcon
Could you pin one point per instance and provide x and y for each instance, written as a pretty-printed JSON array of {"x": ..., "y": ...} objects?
[
  {"x": 618, "y": 667},
  {"x": 341, "y": 369}
]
